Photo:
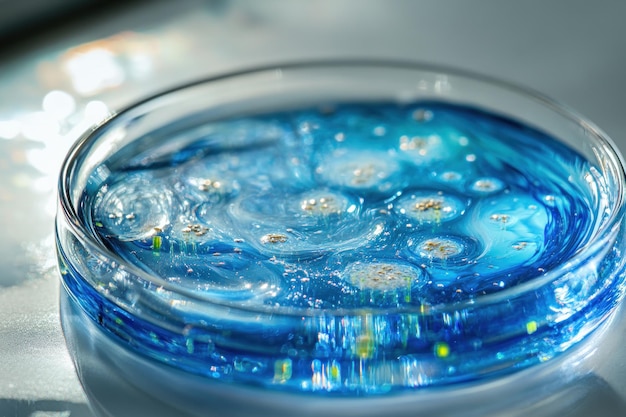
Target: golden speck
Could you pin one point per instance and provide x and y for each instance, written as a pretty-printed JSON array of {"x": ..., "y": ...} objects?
[
  {"x": 197, "y": 229},
  {"x": 520, "y": 246},
  {"x": 439, "y": 249},
  {"x": 502, "y": 218},
  {"x": 274, "y": 238},
  {"x": 485, "y": 185},
  {"x": 451, "y": 176},
  {"x": 429, "y": 204}
]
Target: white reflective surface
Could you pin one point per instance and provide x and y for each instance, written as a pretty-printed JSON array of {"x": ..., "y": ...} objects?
[{"x": 54, "y": 88}]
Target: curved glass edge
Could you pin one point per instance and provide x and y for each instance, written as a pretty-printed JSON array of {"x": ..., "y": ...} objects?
[
  {"x": 441, "y": 344},
  {"x": 357, "y": 353},
  {"x": 114, "y": 377},
  {"x": 112, "y": 134}
]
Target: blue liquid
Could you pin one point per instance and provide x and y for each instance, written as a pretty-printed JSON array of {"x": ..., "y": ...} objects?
[{"x": 358, "y": 208}]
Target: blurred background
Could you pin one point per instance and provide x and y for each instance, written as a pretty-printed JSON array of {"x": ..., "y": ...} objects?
[{"x": 66, "y": 64}]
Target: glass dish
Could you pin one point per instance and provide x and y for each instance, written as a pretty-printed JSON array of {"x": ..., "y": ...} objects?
[{"x": 209, "y": 333}]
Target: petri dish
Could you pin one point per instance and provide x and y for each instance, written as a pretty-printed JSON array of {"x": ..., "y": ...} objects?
[{"x": 337, "y": 232}]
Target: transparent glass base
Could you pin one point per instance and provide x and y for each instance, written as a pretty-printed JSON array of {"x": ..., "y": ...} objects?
[
  {"x": 341, "y": 231},
  {"x": 120, "y": 383}
]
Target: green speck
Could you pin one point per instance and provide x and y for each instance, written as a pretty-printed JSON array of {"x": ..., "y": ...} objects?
[
  {"x": 119, "y": 321},
  {"x": 442, "y": 350},
  {"x": 407, "y": 296},
  {"x": 156, "y": 243},
  {"x": 190, "y": 346},
  {"x": 335, "y": 372}
]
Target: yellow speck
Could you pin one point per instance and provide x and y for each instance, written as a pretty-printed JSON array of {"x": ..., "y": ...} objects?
[
  {"x": 442, "y": 350},
  {"x": 365, "y": 346},
  {"x": 282, "y": 370},
  {"x": 335, "y": 372},
  {"x": 531, "y": 327}
]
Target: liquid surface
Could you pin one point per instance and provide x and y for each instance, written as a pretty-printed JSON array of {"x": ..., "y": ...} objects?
[{"x": 360, "y": 205}]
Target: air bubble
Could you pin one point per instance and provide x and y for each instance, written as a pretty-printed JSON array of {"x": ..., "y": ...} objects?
[
  {"x": 451, "y": 176},
  {"x": 359, "y": 170},
  {"x": 325, "y": 203},
  {"x": 210, "y": 184},
  {"x": 422, "y": 150},
  {"x": 134, "y": 208},
  {"x": 513, "y": 228},
  {"x": 486, "y": 185},
  {"x": 420, "y": 145},
  {"x": 379, "y": 131},
  {"x": 422, "y": 115}
]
